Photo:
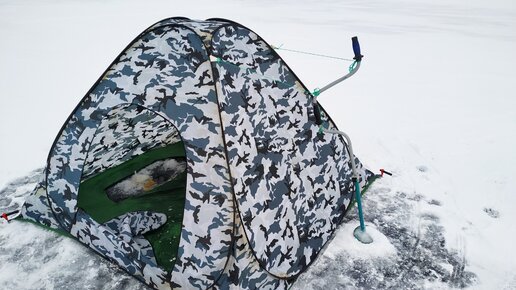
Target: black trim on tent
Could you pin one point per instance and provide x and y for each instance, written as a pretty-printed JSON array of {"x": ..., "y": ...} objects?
[
  {"x": 232, "y": 235},
  {"x": 231, "y": 23}
]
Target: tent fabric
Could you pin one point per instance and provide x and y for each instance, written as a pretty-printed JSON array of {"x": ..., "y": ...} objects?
[
  {"x": 282, "y": 163},
  {"x": 36, "y": 208},
  {"x": 264, "y": 190},
  {"x": 127, "y": 131}
]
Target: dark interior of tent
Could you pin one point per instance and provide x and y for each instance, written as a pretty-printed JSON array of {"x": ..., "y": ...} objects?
[{"x": 146, "y": 171}]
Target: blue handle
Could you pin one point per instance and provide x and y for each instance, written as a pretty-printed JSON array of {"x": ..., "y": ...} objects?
[{"x": 356, "y": 49}]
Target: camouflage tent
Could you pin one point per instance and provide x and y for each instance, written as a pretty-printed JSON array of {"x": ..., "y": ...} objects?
[{"x": 195, "y": 162}]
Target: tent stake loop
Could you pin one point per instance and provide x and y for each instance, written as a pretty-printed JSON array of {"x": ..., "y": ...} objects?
[{"x": 7, "y": 215}]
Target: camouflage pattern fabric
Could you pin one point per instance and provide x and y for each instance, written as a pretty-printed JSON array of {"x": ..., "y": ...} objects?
[
  {"x": 36, "y": 208},
  {"x": 114, "y": 246},
  {"x": 284, "y": 165},
  {"x": 131, "y": 226},
  {"x": 125, "y": 132},
  {"x": 265, "y": 189}
]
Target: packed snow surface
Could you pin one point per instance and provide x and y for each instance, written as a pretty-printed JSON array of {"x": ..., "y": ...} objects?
[{"x": 434, "y": 102}]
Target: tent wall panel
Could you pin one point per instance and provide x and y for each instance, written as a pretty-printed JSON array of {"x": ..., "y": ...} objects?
[
  {"x": 166, "y": 70},
  {"x": 291, "y": 181}
]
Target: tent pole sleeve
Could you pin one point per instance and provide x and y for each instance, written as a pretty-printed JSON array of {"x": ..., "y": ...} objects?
[{"x": 317, "y": 112}]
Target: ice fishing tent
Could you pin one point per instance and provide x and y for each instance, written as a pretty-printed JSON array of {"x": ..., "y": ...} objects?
[{"x": 195, "y": 162}]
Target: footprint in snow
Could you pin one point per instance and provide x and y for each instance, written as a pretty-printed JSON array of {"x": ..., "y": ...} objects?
[
  {"x": 492, "y": 212},
  {"x": 422, "y": 168}
]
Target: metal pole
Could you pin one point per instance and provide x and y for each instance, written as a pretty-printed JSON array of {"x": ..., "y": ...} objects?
[
  {"x": 360, "y": 232},
  {"x": 337, "y": 81}
]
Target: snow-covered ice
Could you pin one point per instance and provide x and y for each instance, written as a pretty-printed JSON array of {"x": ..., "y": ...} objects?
[
  {"x": 434, "y": 102},
  {"x": 381, "y": 246}
]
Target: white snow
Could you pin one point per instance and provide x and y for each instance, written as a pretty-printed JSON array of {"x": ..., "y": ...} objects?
[
  {"x": 344, "y": 241},
  {"x": 434, "y": 101}
]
